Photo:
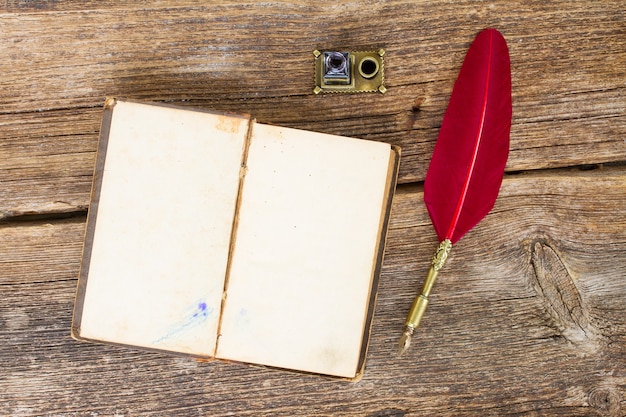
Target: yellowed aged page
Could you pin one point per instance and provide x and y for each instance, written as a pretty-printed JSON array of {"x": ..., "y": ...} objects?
[
  {"x": 305, "y": 251},
  {"x": 163, "y": 227}
]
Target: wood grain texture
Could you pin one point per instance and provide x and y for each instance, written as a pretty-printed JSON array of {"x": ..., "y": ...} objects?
[
  {"x": 526, "y": 319},
  {"x": 61, "y": 59}
]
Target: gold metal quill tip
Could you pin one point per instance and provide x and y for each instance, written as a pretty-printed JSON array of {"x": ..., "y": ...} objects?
[{"x": 405, "y": 340}]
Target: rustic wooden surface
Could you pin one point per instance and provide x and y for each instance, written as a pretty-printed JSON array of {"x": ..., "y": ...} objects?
[{"x": 529, "y": 316}]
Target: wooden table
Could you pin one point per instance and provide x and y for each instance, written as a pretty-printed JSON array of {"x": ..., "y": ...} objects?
[{"x": 529, "y": 315}]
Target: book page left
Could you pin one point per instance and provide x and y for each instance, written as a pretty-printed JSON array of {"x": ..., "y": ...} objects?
[{"x": 162, "y": 228}]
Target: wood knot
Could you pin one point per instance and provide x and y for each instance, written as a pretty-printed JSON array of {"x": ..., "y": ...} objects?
[
  {"x": 605, "y": 400},
  {"x": 560, "y": 297},
  {"x": 417, "y": 104}
]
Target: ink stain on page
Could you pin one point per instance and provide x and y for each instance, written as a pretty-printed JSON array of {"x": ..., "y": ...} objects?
[{"x": 193, "y": 317}]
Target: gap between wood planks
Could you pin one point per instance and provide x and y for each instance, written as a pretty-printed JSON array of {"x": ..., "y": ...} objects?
[{"x": 80, "y": 212}]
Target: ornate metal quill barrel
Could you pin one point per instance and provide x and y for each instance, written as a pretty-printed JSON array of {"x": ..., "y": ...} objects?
[{"x": 421, "y": 301}]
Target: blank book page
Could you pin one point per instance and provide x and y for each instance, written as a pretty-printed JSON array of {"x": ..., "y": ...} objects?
[
  {"x": 163, "y": 227},
  {"x": 302, "y": 268}
]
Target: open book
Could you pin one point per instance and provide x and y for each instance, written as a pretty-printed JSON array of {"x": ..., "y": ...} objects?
[{"x": 212, "y": 235}]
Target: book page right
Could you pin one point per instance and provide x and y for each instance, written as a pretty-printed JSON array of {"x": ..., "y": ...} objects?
[{"x": 306, "y": 245}]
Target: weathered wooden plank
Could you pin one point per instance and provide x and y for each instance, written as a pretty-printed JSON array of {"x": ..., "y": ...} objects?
[
  {"x": 41, "y": 251},
  {"x": 528, "y": 317},
  {"x": 58, "y": 64},
  {"x": 44, "y": 168}
]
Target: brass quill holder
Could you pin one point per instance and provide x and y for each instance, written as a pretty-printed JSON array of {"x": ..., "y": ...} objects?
[{"x": 421, "y": 301}]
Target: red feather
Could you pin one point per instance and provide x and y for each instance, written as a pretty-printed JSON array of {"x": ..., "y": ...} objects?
[{"x": 467, "y": 166}]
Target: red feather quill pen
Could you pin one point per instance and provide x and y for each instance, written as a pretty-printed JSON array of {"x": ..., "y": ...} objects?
[{"x": 466, "y": 170}]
